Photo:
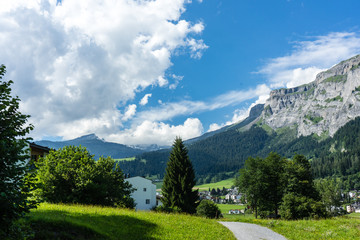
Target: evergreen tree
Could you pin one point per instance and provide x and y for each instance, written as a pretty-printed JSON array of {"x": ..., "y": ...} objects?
[
  {"x": 15, "y": 186},
  {"x": 179, "y": 180}
]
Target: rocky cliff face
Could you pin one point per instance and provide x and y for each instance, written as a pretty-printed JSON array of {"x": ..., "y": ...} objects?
[{"x": 322, "y": 106}]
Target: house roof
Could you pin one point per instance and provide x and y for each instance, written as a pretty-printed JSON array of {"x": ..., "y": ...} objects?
[{"x": 35, "y": 146}]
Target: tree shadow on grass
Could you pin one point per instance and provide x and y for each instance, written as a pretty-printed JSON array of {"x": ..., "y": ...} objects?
[{"x": 61, "y": 225}]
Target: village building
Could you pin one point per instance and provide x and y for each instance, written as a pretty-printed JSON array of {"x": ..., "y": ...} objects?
[
  {"x": 37, "y": 151},
  {"x": 144, "y": 194}
]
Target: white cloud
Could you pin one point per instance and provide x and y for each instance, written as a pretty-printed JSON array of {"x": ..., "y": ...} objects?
[
  {"x": 196, "y": 46},
  {"x": 145, "y": 99},
  {"x": 158, "y": 132},
  {"x": 177, "y": 79},
  {"x": 311, "y": 57},
  {"x": 76, "y": 64},
  {"x": 130, "y": 112},
  {"x": 215, "y": 126},
  {"x": 170, "y": 110},
  {"x": 238, "y": 115}
]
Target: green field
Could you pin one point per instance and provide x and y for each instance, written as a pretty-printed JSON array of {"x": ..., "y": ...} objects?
[
  {"x": 53, "y": 221},
  {"x": 354, "y": 215},
  {"x": 339, "y": 228},
  {"x": 225, "y": 208},
  {"x": 125, "y": 159},
  {"x": 158, "y": 185},
  {"x": 225, "y": 183}
]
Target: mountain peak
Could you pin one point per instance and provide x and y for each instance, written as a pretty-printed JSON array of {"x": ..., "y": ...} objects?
[
  {"x": 320, "y": 107},
  {"x": 91, "y": 136}
]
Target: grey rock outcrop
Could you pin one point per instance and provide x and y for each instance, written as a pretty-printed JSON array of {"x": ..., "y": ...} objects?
[{"x": 322, "y": 106}]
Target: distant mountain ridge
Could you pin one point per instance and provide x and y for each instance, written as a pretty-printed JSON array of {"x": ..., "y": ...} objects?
[
  {"x": 99, "y": 147},
  {"x": 322, "y": 106},
  {"x": 306, "y": 120}
]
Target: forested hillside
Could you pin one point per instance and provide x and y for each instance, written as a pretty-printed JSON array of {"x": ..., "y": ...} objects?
[{"x": 223, "y": 154}]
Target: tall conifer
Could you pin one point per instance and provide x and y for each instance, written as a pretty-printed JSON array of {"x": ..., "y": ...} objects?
[{"x": 179, "y": 180}]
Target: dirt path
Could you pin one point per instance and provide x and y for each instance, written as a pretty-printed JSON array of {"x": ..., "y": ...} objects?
[{"x": 248, "y": 231}]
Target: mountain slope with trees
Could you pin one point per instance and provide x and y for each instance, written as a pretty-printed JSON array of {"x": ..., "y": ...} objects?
[{"x": 276, "y": 128}]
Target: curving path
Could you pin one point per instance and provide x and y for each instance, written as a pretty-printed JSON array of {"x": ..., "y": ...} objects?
[{"x": 248, "y": 231}]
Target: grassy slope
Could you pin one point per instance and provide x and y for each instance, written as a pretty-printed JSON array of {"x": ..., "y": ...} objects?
[
  {"x": 224, "y": 208},
  {"x": 339, "y": 228},
  {"x": 225, "y": 183},
  {"x": 52, "y": 221},
  {"x": 125, "y": 159}
]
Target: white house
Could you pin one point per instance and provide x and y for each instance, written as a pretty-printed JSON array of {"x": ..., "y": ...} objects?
[{"x": 145, "y": 193}]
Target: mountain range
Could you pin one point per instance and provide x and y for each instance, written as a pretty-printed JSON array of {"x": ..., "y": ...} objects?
[
  {"x": 319, "y": 119},
  {"x": 100, "y": 147}
]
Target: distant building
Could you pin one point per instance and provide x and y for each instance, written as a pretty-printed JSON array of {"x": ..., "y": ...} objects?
[
  {"x": 37, "y": 151},
  {"x": 145, "y": 193}
]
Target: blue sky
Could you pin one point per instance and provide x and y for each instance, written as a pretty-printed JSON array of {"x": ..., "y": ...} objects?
[{"x": 141, "y": 72}]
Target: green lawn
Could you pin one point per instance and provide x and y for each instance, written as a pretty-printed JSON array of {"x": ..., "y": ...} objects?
[
  {"x": 158, "y": 185},
  {"x": 339, "y": 228},
  {"x": 125, "y": 159},
  {"x": 224, "y": 183},
  {"x": 53, "y": 221},
  {"x": 354, "y": 215},
  {"x": 226, "y": 207}
]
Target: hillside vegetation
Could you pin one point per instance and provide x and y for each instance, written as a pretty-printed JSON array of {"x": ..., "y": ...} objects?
[
  {"x": 222, "y": 155},
  {"x": 228, "y": 183},
  {"x": 53, "y": 221}
]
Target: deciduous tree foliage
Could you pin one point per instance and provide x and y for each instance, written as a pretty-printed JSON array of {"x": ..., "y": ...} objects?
[
  {"x": 14, "y": 185},
  {"x": 179, "y": 180},
  {"x": 274, "y": 184},
  {"x": 208, "y": 209},
  {"x": 71, "y": 175}
]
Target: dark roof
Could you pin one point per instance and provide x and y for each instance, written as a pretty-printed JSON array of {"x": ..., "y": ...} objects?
[{"x": 33, "y": 145}]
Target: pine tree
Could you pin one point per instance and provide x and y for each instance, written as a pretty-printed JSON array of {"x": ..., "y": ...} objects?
[{"x": 179, "y": 180}]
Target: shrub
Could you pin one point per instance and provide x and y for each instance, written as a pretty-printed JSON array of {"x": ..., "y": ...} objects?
[
  {"x": 208, "y": 209},
  {"x": 166, "y": 209},
  {"x": 300, "y": 207}
]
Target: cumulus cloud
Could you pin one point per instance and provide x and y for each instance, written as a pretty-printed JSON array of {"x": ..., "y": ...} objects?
[
  {"x": 130, "y": 112},
  {"x": 76, "y": 64},
  {"x": 311, "y": 57},
  {"x": 145, "y": 99},
  {"x": 158, "y": 132}
]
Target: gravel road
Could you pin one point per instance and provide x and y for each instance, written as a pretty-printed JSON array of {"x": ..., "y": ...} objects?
[{"x": 248, "y": 231}]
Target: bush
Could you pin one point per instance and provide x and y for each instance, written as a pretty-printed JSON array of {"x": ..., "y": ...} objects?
[
  {"x": 71, "y": 175},
  {"x": 300, "y": 207},
  {"x": 166, "y": 209},
  {"x": 208, "y": 209}
]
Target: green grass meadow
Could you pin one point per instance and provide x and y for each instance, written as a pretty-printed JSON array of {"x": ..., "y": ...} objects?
[
  {"x": 125, "y": 159},
  {"x": 224, "y": 183},
  {"x": 54, "y": 221},
  {"x": 339, "y": 228}
]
